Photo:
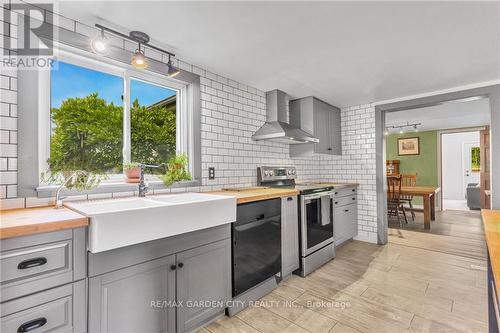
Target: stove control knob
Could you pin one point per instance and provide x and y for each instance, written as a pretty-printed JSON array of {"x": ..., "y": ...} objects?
[
  {"x": 289, "y": 171},
  {"x": 266, "y": 173},
  {"x": 271, "y": 173},
  {"x": 293, "y": 171}
]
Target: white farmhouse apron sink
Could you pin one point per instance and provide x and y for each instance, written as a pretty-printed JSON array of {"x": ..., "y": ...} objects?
[{"x": 117, "y": 223}]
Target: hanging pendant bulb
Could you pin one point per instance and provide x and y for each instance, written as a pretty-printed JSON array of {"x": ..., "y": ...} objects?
[
  {"x": 99, "y": 44},
  {"x": 139, "y": 60},
  {"x": 172, "y": 70}
]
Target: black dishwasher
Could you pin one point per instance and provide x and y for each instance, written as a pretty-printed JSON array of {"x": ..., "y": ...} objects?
[{"x": 256, "y": 243}]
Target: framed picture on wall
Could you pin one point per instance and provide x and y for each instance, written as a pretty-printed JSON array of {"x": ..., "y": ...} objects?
[{"x": 409, "y": 146}]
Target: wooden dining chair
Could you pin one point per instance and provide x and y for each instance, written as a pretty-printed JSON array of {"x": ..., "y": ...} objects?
[
  {"x": 409, "y": 180},
  {"x": 394, "y": 204}
]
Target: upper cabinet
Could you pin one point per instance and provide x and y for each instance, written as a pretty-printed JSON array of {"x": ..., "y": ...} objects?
[{"x": 319, "y": 119}]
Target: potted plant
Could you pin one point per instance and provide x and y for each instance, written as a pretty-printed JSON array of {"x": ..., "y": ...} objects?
[
  {"x": 177, "y": 170},
  {"x": 132, "y": 172}
]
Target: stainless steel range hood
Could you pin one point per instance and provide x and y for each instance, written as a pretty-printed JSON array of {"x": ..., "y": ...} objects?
[{"x": 276, "y": 127}]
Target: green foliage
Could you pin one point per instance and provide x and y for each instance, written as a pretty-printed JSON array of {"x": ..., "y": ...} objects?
[
  {"x": 131, "y": 165},
  {"x": 476, "y": 159},
  {"x": 153, "y": 133},
  {"x": 88, "y": 135},
  {"x": 80, "y": 182},
  {"x": 176, "y": 170}
]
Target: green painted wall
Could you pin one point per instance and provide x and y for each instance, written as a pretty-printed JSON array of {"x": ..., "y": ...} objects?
[{"x": 424, "y": 164}]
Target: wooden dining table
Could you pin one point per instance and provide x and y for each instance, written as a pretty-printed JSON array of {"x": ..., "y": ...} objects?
[{"x": 428, "y": 194}]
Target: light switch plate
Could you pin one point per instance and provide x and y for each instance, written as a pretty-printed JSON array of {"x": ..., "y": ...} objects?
[{"x": 211, "y": 173}]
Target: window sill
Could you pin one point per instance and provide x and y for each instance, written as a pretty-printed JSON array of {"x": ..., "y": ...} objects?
[{"x": 47, "y": 191}]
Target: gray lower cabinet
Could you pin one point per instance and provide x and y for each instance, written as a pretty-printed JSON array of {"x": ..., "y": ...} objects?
[
  {"x": 131, "y": 299},
  {"x": 345, "y": 226},
  {"x": 345, "y": 215},
  {"x": 175, "y": 293},
  {"x": 203, "y": 284},
  {"x": 60, "y": 309},
  {"x": 289, "y": 236}
]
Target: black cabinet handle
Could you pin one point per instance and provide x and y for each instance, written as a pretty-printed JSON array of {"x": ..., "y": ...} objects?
[
  {"x": 173, "y": 267},
  {"x": 354, "y": 190},
  {"x": 336, "y": 192},
  {"x": 346, "y": 210},
  {"x": 336, "y": 202},
  {"x": 32, "y": 325},
  {"x": 353, "y": 198},
  {"x": 30, "y": 263},
  {"x": 289, "y": 199},
  {"x": 330, "y": 149},
  {"x": 260, "y": 217},
  {"x": 180, "y": 265}
]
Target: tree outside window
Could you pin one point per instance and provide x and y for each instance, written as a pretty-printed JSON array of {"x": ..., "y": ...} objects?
[{"x": 87, "y": 121}]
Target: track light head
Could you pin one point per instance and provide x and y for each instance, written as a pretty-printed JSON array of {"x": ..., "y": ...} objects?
[
  {"x": 172, "y": 70},
  {"x": 139, "y": 60},
  {"x": 99, "y": 44}
]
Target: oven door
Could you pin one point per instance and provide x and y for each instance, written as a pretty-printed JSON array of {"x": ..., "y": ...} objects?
[{"x": 316, "y": 222}]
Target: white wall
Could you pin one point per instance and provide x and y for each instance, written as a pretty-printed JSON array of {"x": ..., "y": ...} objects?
[
  {"x": 452, "y": 163},
  {"x": 230, "y": 113}
]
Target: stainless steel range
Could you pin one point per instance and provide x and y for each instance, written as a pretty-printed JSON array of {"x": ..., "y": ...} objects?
[{"x": 315, "y": 214}]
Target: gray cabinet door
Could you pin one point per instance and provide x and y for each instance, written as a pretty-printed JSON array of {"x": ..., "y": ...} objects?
[
  {"x": 289, "y": 236},
  {"x": 345, "y": 224},
  {"x": 334, "y": 132},
  {"x": 321, "y": 123},
  {"x": 203, "y": 284},
  {"x": 134, "y": 299}
]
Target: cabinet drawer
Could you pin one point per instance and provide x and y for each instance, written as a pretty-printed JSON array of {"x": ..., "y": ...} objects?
[
  {"x": 48, "y": 311},
  {"x": 342, "y": 192},
  {"x": 34, "y": 263},
  {"x": 342, "y": 201},
  {"x": 26, "y": 263}
]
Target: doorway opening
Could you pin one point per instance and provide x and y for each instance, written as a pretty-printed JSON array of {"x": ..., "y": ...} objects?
[
  {"x": 460, "y": 170},
  {"x": 420, "y": 111}
]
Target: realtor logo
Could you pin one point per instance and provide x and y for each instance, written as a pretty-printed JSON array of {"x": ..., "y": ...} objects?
[{"x": 34, "y": 34}]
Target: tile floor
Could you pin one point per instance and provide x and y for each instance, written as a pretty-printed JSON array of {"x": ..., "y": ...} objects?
[{"x": 419, "y": 282}]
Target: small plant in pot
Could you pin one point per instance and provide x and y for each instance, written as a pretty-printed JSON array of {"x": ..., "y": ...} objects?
[
  {"x": 177, "y": 170},
  {"x": 132, "y": 172}
]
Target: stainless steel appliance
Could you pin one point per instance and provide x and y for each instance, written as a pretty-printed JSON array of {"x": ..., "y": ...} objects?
[
  {"x": 315, "y": 212},
  {"x": 276, "y": 128}
]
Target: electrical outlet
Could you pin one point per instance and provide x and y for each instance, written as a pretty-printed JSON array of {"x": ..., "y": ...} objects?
[{"x": 211, "y": 173}]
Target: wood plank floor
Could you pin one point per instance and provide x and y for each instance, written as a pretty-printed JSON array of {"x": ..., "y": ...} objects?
[{"x": 421, "y": 281}]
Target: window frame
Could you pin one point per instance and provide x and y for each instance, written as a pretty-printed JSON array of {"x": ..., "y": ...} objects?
[
  {"x": 127, "y": 75},
  {"x": 34, "y": 96}
]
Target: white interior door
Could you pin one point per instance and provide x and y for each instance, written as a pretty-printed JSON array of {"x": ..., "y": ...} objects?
[{"x": 469, "y": 174}]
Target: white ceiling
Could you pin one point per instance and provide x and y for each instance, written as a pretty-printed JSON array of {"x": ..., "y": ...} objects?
[
  {"x": 450, "y": 115},
  {"x": 346, "y": 53}
]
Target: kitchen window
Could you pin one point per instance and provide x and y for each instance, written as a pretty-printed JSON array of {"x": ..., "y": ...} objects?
[
  {"x": 101, "y": 118},
  {"x": 134, "y": 116}
]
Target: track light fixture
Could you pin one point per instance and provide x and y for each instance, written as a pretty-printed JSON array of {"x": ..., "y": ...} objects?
[
  {"x": 402, "y": 127},
  {"x": 139, "y": 60},
  {"x": 99, "y": 44}
]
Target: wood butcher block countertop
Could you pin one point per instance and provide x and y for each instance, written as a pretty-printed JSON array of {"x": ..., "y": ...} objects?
[
  {"x": 491, "y": 222},
  {"x": 256, "y": 194},
  {"x": 28, "y": 221}
]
